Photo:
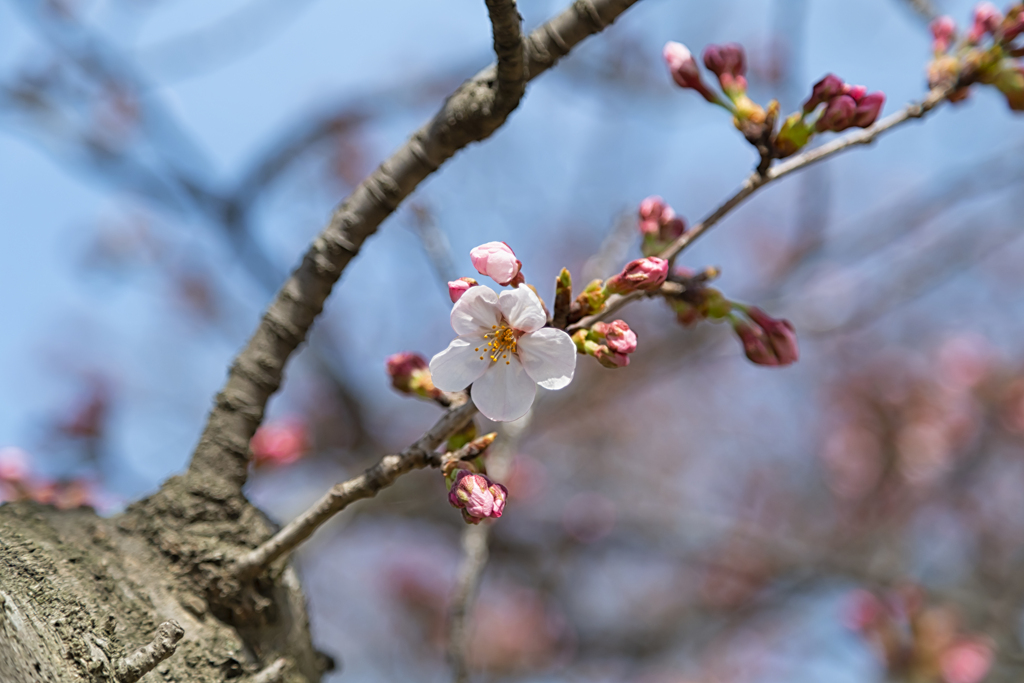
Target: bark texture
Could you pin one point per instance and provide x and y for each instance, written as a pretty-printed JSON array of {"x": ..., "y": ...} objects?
[{"x": 80, "y": 595}]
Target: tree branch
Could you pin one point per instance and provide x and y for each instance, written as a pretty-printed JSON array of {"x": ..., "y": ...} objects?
[
  {"x": 472, "y": 113},
  {"x": 136, "y": 665},
  {"x": 510, "y": 51},
  {"x": 366, "y": 485},
  {"x": 757, "y": 180}
]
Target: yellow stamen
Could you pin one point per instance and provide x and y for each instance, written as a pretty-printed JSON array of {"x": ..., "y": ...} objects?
[{"x": 502, "y": 342}]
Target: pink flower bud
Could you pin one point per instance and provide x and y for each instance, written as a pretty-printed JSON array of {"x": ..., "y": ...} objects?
[
  {"x": 987, "y": 18},
  {"x": 645, "y": 275},
  {"x": 617, "y": 336},
  {"x": 824, "y": 90},
  {"x": 781, "y": 336},
  {"x": 944, "y": 32},
  {"x": 456, "y": 288},
  {"x": 966, "y": 661},
  {"x": 497, "y": 261},
  {"x": 653, "y": 212},
  {"x": 279, "y": 443},
  {"x": 684, "y": 70},
  {"x": 755, "y": 344},
  {"x": 609, "y": 358},
  {"x": 729, "y": 63},
  {"x": 410, "y": 374},
  {"x": 838, "y": 115},
  {"x": 477, "y": 496},
  {"x": 868, "y": 109}
]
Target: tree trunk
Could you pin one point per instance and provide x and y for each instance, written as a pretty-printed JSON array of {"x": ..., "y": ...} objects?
[{"x": 78, "y": 592}]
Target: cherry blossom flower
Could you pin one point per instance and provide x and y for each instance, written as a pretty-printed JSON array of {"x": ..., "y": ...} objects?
[{"x": 504, "y": 351}]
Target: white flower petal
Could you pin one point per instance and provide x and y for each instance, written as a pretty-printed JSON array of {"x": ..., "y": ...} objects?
[
  {"x": 549, "y": 357},
  {"x": 476, "y": 312},
  {"x": 505, "y": 392},
  {"x": 522, "y": 309},
  {"x": 460, "y": 364}
]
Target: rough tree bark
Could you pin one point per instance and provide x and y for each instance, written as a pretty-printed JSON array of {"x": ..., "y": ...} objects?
[{"x": 88, "y": 599}]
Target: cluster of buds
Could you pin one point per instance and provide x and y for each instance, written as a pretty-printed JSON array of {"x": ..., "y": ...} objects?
[
  {"x": 410, "y": 374},
  {"x": 279, "y": 443},
  {"x": 918, "y": 642},
  {"x": 987, "y": 54},
  {"x": 642, "y": 275},
  {"x": 17, "y": 483},
  {"x": 845, "y": 106},
  {"x": 473, "y": 492},
  {"x": 659, "y": 225},
  {"x": 610, "y": 343},
  {"x": 766, "y": 341},
  {"x": 833, "y": 106},
  {"x": 729, "y": 64}
]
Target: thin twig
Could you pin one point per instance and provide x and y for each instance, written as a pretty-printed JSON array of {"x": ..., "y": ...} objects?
[
  {"x": 756, "y": 181},
  {"x": 136, "y": 665},
  {"x": 366, "y": 485}
]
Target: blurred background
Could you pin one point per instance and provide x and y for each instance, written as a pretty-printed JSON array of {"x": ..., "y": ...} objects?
[{"x": 858, "y": 516}]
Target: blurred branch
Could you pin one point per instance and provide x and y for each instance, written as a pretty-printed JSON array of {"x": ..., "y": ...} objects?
[{"x": 472, "y": 113}]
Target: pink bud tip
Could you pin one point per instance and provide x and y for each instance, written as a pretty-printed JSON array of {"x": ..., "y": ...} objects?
[
  {"x": 497, "y": 261},
  {"x": 456, "y": 288},
  {"x": 966, "y": 661},
  {"x": 645, "y": 275},
  {"x": 943, "y": 31},
  {"x": 279, "y": 443},
  {"x": 824, "y": 90},
  {"x": 987, "y": 18},
  {"x": 780, "y": 335}
]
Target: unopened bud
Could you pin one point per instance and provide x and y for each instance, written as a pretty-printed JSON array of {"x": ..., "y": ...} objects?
[
  {"x": 943, "y": 32},
  {"x": 477, "y": 496},
  {"x": 729, "y": 63},
  {"x": 279, "y": 443},
  {"x": 592, "y": 299},
  {"x": 987, "y": 18},
  {"x": 824, "y": 90},
  {"x": 659, "y": 225},
  {"x": 838, "y": 115},
  {"x": 410, "y": 374},
  {"x": 644, "y": 275},
  {"x": 781, "y": 335},
  {"x": 609, "y": 358},
  {"x": 497, "y": 261},
  {"x": 617, "y": 336},
  {"x": 456, "y": 288},
  {"x": 868, "y": 108},
  {"x": 755, "y": 344},
  {"x": 685, "y": 71}
]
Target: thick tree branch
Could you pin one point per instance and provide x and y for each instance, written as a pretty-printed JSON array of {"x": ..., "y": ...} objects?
[
  {"x": 366, "y": 485},
  {"x": 471, "y": 114},
  {"x": 757, "y": 180},
  {"x": 510, "y": 51}
]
